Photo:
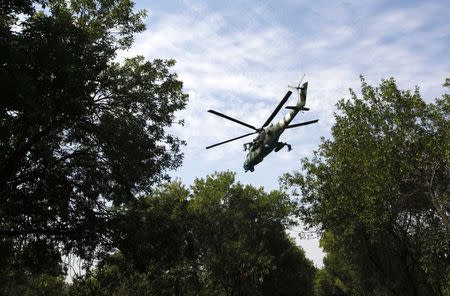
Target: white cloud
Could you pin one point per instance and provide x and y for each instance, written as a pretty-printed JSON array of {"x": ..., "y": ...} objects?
[{"x": 243, "y": 71}]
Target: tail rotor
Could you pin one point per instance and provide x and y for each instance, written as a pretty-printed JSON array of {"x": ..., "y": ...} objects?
[{"x": 298, "y": 87}]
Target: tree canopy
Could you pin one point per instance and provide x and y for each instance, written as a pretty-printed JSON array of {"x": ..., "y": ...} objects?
[
  {"x": 378, "y": 190},
  {"x": 81, "y": 135},
  {"x": 216, "y": 238}
]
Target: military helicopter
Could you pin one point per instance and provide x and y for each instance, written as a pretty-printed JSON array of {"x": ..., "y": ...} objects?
[{"x": 269, "y": 133}]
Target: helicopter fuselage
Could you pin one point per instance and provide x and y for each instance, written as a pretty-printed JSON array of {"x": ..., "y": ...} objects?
[
  {"x": 260, "y": 148},
  {"x": 258, "y": 151},
  {"x": 269, "y": 134}
]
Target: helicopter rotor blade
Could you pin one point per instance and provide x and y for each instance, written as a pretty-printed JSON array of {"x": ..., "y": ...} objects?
[
  {"x": 277, "y": 109},
  {"x": 301, "y": 80},
  {"x": 302, "y": 123},
  {"x": 232, "y": 119},
  {"x": 237, "y": 138}
]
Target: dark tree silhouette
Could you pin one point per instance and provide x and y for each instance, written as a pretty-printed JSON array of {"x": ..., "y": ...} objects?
[
  {"x": 379, "y": 191},
  {"x": 80, "y": 135}
]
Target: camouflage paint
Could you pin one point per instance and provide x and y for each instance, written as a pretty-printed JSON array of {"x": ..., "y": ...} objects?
[{"x": 273, "y": 133}]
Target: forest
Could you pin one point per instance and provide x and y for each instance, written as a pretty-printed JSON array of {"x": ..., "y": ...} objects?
[{"x": 85, "y": 162}]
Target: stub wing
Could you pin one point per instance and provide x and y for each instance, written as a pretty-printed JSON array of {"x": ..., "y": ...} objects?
[{"x": 302, "y": 123}]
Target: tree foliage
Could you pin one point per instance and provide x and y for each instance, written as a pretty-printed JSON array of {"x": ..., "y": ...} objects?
[
  {"x": 216, "y": 238},
  {"x": 379, "y": 191},
  {"x": 80, "y": 134}
]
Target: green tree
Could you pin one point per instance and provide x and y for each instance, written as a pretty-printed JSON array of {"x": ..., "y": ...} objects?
[
  {"x": 216, "y": 238},
  {"x": 32, "y": 269},
  {"x": 80, "y": 134},
  {"x": 158, "y": 254},
  {"x": 337, "y": 277},
  {"x": 241, "y": 232},
  {"x": 379, "y": 189}
]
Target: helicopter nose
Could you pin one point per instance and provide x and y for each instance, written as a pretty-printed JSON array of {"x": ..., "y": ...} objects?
[{"x": 248, "y": 166}]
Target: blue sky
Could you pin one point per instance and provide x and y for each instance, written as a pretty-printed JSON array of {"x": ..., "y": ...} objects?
[{"x": 238, "y": 57}]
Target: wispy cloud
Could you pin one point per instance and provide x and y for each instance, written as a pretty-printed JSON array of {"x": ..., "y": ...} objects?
[
  {"x": 243, "y": 70},
  {"x": 238, "y": 58}
]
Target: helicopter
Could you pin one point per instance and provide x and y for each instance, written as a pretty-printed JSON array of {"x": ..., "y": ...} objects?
[{"x": 269, "y": 134}]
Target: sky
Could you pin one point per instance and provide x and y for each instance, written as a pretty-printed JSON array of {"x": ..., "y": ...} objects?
[{"x": 237, "y": 57}]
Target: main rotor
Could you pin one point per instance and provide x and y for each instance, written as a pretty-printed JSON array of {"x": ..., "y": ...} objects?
[{"x": 258, "y": 130}]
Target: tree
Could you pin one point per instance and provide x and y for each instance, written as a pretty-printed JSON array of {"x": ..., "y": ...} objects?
[
  {"x": 379, "y": 189},
  {"x": 216, "y": 238},
  {"x": 33, "y": 268},
  {"x": 158, "y": 254},
  {"x": 241, "y": 233},
  {"x": 337, "y": 277},
  {"x": 80, "y": 134}
]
